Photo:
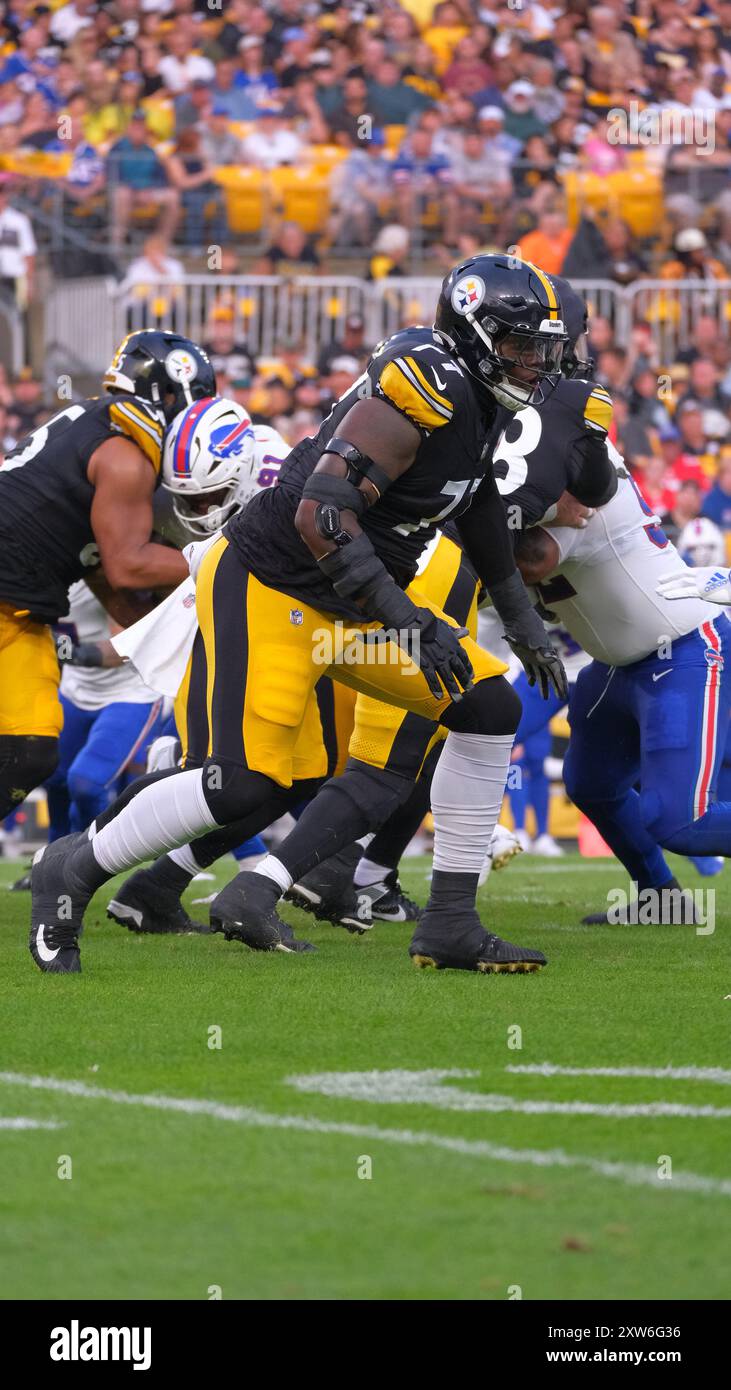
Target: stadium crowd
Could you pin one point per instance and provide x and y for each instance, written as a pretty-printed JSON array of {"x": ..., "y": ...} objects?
[{"x": 402, "y": 134}]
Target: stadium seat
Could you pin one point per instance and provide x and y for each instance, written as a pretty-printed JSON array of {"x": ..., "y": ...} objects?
[
  {"x": 246, "y": 195},
  {"x": 298, "y": 196},
  {"x": 393, "y": 135},
  {"x": 635, "y": 195}
]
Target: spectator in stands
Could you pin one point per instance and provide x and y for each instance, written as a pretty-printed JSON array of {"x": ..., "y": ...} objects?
[
  {"x": 548, "y": 244},
  {"x": 612, "y": 369},
  {"x": 308, "y": 122},
  {"x": 26, "y": 406},
  {"x": 272, "y": 143},
  {"x": 600, "y": 154},
  {"x": 294, "y": 60},
  {"x": 193, "y": 105},
  {"x": 255, "y": 79},
  {"x": 343, "y": 372},
  {"x": 498, "y": 144},
  {"x": 182, "y": 65},
  {"x": 351, "y": 344},
  {"x": 467, "y": 72},
  {"x": 219, "y": 145},
  {"x": 71, "y": 19},
  {"x": 103, "y": 119},
  {"x": 685, "y": 507},
  {"x": 717, "y": 501},
  {"x": 230, "y": 358},
  {"x": 704, "y": 340},
  {"x": 192, "y": 174},
  {"x": 481, "y": 184},
  {"x": 698, "y": 455},
  {"x": 705, "y": 389},
  {"x": 38, "y": 126},
  {"x": 155, "y": 264},
  {"x": 644, "y": 405},
  {"x": 423, "y": 180},
  {"x": 291, "y": 253},
  {"x": 86, "y": 178},
  {"x": 390, "y": 252},
  {"x": 520, "y": 117},
  {"x": 17, "y": 249},
  {"x": 392, "y": 100},
  {"x": 548, "y": 100},
  {"x": 692, "y": 260},
  {"x": 226, "y": 92},
  {"x": 353, "y": 117},
  {"x": 360, "y": 191},
  {"x": 138, "y": 179}
]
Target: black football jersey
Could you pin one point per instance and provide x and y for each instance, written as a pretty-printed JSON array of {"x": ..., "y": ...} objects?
[
  {"x": 419, "y": 378},
  {"x": 46, "y": 540},
  {"x": 539, "y": 453}
]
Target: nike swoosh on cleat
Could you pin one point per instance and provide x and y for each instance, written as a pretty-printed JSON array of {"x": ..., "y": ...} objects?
[
  {"x": 45, "y": 953},
  {"x": 398, "y": 916},
  {"x": 659, "y": 677}
]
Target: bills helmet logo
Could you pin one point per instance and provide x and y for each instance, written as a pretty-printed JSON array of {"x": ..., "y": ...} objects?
[
  {"x": 228, "y": 440},
  {"x": 468, "y": 294}
]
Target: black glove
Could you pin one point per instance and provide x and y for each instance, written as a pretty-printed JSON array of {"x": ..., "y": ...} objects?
[
  {"x": 443, "y": 661},
  {"x": 528, "y": 638},
  {"x": 85, "y": 654}
]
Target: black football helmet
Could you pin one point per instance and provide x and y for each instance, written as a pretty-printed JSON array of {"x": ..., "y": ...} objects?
[
  {"x": 502, "y": 318},
  {"x": 162, "y": 368},
  {"x": 576, "y": 318}
]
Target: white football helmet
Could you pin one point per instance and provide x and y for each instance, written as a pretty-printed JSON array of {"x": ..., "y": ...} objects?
[
  {"x": 208, "y": 460},
  {"x": 702, "y": 543}
]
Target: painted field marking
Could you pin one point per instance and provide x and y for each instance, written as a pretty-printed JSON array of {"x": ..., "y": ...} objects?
[
  {"x": 632, "y": 1174},
  {"x": 717, "y": 1075},
  {"x": 426, "y": 1088},
  {"x": 22, "y": 1122}
]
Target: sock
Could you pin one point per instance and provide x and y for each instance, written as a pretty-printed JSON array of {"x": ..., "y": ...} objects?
[
  {"x": 466, "y": 796},
  {"x": 367, "y": 872},
  {"x": 169, "y": 875},
  {"x": 273, "y": 868},
  {"x": 185, "y": 859},
  {"x": 164, "y": 815},
  {"x": 389, "y": 843}
]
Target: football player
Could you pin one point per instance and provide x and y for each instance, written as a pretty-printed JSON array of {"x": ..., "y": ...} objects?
[
  {"x": 319, "y": 564},
  {"x": 76, "y": 502}
]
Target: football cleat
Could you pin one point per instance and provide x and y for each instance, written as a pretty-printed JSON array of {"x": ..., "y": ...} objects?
[
  {"x": 546, "y": 846},
  {"x": 667, "y": 906},
  {"x": 389, "y": 903},
  {"x": 57, "y": 911},
  {"x": 458, "y": 941},
  {"x": 504, "y": 846},
  {"x": 245, "y": 910},
  {"x": 148, "y": 909},
  {"x": 327, "y": 892},
  {"x": 21, "y": 885}
]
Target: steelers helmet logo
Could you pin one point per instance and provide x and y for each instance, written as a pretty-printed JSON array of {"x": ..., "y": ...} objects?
[
  {"x": 181, "y": 366},
  {"x": 468, "y": 294}
]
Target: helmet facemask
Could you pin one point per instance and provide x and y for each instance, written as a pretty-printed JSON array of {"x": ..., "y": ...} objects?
[
  {"x": 519, "y": 364},
  {"x": 204, "y": 513}
]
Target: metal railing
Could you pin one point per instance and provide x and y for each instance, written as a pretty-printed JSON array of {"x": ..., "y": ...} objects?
[{"x": 86, "y": 318}]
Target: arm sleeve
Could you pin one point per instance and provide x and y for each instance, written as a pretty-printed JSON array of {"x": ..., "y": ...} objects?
[{"x": 483, "y": 530}]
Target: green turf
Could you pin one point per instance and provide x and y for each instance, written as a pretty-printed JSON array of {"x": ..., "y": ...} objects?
[{"x": 165, "y": 1205}]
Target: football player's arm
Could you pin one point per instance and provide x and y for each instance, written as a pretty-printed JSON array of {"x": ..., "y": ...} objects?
[
  {"x": 121, "y": 519},
  {"x": 488, "y": 543},
  {"x": 334, "y": 497}
]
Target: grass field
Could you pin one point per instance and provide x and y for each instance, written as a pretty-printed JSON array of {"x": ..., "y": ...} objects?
[{"x": 256, "y": 1190}]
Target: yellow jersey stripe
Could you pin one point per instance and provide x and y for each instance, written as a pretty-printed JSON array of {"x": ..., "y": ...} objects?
[
  {"x": 148, "y": 421},
  {"x": 598, "y": 410},
  {"x": 139, "y": 433},
  {"x": 442, "y": 400},
  {"x": 408, "y": 397},
  {"x": 430, "y": 397}
]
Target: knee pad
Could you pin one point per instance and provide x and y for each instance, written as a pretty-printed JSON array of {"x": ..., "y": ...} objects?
[
  {"x": 26, "y": 760},
  {"x": 375, "y": 792},
  {"x": 232, "y": 791},
  {"x": 490, "y": 707}
]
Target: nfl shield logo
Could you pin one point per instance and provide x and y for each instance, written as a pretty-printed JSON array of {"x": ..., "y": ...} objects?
[{"x": 296, "y": 617}]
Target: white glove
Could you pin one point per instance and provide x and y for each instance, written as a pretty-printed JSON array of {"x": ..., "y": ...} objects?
[
  {"x": 707, "y": 581},
  {"x": 196, "y": 550}
]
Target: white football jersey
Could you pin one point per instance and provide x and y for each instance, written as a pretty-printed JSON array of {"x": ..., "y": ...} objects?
[
  {"x": 93, "y": 687},
  {"x": 603, "y": 590}
]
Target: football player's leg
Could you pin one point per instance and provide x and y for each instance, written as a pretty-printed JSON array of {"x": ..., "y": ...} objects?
[
  {"x": 602, "y": 771},
  {"x": 30, "y": 712},
  {"x": 76, "y": 725},
  {"x": 259, "y": 674},
  {"x": 683, "y": 745},
  {"x": 117, "y": 731}
]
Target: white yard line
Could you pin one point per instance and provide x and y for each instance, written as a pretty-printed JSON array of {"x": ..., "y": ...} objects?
[
  {"x": 632, "y": 1174},
  {"x": 716, "y": 1075},
  {"x": 428, "y": 1088},
  {"x": 22, "y": 1122}
]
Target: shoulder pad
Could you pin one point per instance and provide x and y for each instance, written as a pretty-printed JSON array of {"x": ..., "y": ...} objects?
[
  {"x": 140, "y": 423},
  {"x": 422, "y": 382}
]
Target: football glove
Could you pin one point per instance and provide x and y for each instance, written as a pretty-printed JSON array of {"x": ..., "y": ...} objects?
[
  {"x": 443, "y": 661},
  {"x": 707, "y": 581}
]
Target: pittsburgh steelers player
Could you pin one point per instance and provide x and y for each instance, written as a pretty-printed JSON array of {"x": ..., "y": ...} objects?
[
  {"x": 320, "y": 562},
  {"x": 76, "y": 503}
]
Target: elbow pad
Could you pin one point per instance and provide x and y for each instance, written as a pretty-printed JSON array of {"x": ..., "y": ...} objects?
[{"x": 593, "y": 475}]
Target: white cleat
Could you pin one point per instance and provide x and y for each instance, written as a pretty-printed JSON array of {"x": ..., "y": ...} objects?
[
  {"x": 503, "y": 847},
  {"x": 547, "y": 847}
]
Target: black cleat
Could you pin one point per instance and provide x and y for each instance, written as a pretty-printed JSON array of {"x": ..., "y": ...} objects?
[
  {"x": 21, "y": 885},
  {"x": 389, "y": 903},
  {"x": 445, "y": 941},
  {"x": 667, "y": 906},
  {"x": 327, "y": 892},
  {"x": 245, "y": 910},
  {"x": 148, "y": 909},
  {"x": 56, "y": 913}
]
